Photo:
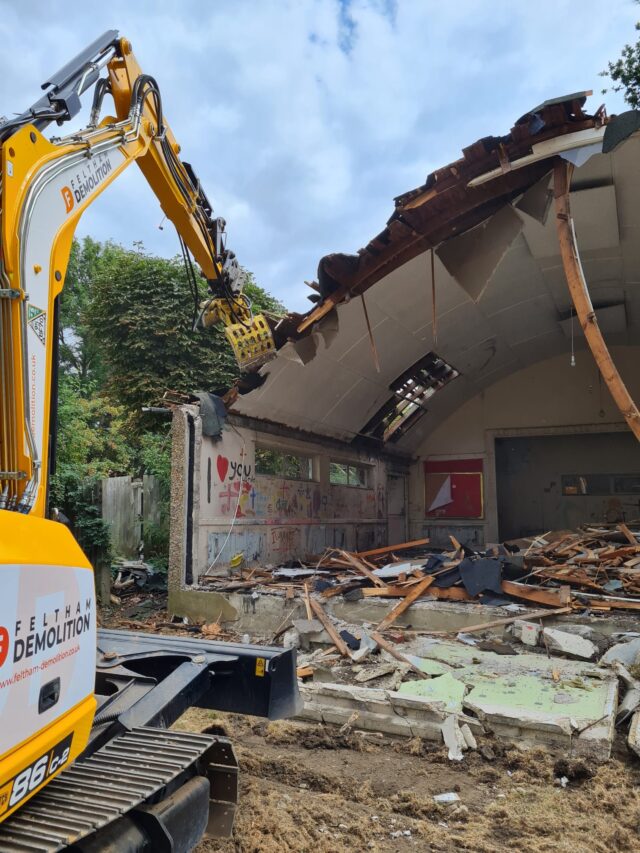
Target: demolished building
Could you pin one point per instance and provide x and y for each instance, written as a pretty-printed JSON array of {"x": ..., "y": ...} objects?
[
  {"x": 433, "y": 388},
  {"x": 442, "y": 391}
]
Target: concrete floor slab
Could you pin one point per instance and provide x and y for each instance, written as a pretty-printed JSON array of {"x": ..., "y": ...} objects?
[
  {"x": 445, "y": 688},
  {"x": 531, "y": 698}
]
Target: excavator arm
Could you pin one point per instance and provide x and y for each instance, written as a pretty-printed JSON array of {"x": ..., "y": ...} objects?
[
  {"x": 47, "y": 184},
  {"x": 49, "y": 685}
]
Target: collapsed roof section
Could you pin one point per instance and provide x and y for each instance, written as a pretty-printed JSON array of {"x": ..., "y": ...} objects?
[
  {"x": 479, "y": 229},
  {"x": 455, "y": 198}
]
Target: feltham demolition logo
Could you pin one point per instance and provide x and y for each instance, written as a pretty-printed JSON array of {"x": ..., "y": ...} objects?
[{"x": 37, "y": 319}]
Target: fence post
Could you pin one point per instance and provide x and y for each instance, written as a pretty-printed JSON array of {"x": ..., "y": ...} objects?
[{"x": 102, "y": 578}]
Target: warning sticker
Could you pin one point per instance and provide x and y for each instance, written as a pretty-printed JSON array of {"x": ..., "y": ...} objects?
[
  {"x": 260, "y": 667},
  {"x": 37, "y": 319}
]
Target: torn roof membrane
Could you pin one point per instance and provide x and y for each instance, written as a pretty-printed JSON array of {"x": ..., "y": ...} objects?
[{"x": 499, "y": 303}]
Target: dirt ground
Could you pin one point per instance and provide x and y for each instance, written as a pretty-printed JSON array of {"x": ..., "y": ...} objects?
[{"x": 306, "y": 787}]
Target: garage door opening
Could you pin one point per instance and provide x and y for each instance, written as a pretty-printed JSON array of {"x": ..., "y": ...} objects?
[{"x": 559, "y": 482}]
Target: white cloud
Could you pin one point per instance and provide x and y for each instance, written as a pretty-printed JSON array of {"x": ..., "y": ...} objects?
[{"x": 303, "y": 118}]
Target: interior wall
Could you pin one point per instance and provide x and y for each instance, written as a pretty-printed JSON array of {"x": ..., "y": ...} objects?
[
  {"x": 269, "y": 519},
  {"x": 541, "y": 486},
  {"x": 548, "y": 398}
]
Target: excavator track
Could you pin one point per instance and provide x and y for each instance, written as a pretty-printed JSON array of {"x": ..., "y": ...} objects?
[{"x": 124, "y": 776}]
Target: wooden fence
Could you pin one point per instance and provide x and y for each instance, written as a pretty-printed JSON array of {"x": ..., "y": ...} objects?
[{"x": 128, "y": 505}]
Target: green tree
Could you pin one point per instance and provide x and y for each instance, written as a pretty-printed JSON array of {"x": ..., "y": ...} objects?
[
  {"x": 141, "y": 313},
  {"x": 126, "y": 337},
  {"x": 80, "y": 354},
  {"x": 92, "y": 443},
  {"x": 625, "y": 73},
  {"x": 92, "y": 433}
]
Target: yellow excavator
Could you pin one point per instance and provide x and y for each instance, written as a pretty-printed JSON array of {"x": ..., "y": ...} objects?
[{"x": 87, "y": 759}]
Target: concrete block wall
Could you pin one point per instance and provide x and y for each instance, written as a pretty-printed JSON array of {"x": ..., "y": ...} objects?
[{"x": 268, "y": 519}]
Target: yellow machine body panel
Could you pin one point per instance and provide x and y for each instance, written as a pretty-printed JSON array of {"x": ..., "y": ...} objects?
[
  {"x": 47, "y": 598},
  {"x": 47, "y": 654}
]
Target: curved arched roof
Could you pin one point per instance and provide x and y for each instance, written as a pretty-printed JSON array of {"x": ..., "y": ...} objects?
[{"x": 501, "y": 297}]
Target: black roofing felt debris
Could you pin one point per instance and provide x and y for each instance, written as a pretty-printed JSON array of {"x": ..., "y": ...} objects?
[{"x": 483, "y": 575}]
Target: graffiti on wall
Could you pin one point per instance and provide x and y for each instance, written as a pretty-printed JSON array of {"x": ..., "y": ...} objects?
[
  {"x": 233, "y": 469},
  {"x": 289, "y": 541},
  {"x": 285, "y": 540},
  {"x": 275, "y": 500},
  {"x": 234, "y": 491},
  {"x": 291, "y": 500}
]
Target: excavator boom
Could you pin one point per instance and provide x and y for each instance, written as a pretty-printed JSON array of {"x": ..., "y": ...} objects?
[
  {"x": 48, "y": 630},
  {"x": 46, "y": 186}
]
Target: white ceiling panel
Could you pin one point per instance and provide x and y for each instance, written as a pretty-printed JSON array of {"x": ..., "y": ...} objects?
[
  {"x": 525, "y": 320},
  {"x": 515, "y": 322}
]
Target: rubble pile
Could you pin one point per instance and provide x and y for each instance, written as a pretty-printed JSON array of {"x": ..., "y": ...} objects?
[
  {"x": 594, "y": 567},
  {"x": 601, "y": 564},
  {"x": 533, "y": 676}
]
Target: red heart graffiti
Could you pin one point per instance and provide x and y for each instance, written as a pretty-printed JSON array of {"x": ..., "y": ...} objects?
[{"x": 222, "y": 464}]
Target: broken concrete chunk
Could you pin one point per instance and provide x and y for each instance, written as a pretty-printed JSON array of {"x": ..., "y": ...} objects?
[
  {"x": 527, "y": 632},
  {"x": 631, "y": 701},
  {"x": 626, "y": 653},
  {"x": 569, "y": 644},
  {"x": 324, "y": 673},
  {"x": 310, "y": 633},
  {"x": 376, "y": 672},
  {"x": 467, "y": 734},
  {"x": 307, "y": 626},
  {"x": 448, "y": 797},
  {"x": 367, "y": 645},
  {"x": 629, "y": 705},
  {"x": 453, "y": 738},
  {"x": 291, "y": 639},
  {"x": 497, "y": 647},
  {"x": 633, "y": 739},
  {"x": 585, "y": 631},
  {"x": 444, "y": 688}
]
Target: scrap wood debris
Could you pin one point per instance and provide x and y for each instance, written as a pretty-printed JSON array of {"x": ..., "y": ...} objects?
[{"x": 595, "y": 566}]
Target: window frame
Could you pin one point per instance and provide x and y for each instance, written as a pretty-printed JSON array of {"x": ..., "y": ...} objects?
[
  {"x": 593, "y": 485},
  {"x": 283, "y": 452},
  {"x": 348, "y": 465}
]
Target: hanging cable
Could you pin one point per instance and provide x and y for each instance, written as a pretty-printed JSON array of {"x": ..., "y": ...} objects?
[
  {"x": 433, "y": 300},
  {"x": 573, "y": 353}
]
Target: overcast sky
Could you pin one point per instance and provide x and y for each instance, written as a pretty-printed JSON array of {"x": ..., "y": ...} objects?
[{"x": 304, "y": 118}]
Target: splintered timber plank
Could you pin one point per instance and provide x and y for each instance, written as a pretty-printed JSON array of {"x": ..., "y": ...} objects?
[
  {"x": 554, "y": 598},
  {"x": 579, "y": 291},
  {"x": 540, "y": 595},
  {"x": 384, "y": 592},
  {"x": 360, "y": 567},
  {"x": 569, "y": 577},
  {"x": 340, "y": 589},
  {"x": 337, "y": 640},
  {"x": 452, "y": 593},
  {"x": 374, "y": 552},
  {"x": 415, "y": 592},
  {"x": 397, "y": 655},
  {"x": 627, "y": 534}
]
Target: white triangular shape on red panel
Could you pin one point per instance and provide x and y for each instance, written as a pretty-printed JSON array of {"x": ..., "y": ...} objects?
[{"x": 443, "y": 497}]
